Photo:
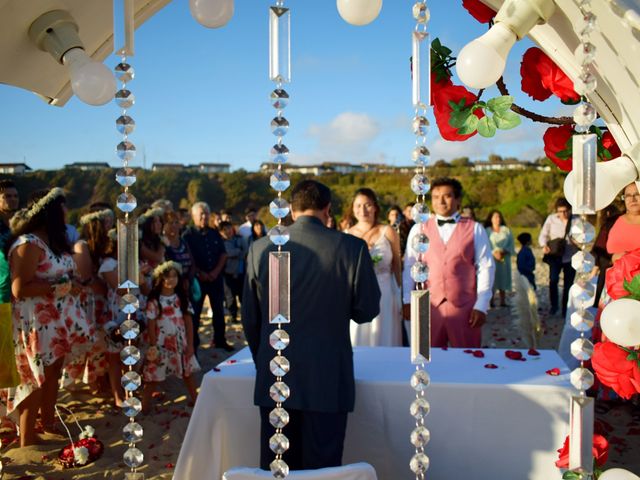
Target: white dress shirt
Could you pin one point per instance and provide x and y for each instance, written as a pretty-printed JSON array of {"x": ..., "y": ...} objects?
[{"x": 483, "y": 259}]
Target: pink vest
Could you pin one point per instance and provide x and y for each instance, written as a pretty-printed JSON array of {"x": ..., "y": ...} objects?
[{"x": 452, "y": 271}]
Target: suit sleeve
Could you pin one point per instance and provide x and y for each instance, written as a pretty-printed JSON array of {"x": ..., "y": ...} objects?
[
  {"x": 365, "y": 303},
  {"x": 251, "y": 312}
]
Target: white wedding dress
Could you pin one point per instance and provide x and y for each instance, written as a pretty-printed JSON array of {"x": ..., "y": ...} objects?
[{"x": 385, "y": 329}]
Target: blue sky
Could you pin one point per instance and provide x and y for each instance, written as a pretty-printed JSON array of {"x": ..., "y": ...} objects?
[{"x": 202, "y": 95}]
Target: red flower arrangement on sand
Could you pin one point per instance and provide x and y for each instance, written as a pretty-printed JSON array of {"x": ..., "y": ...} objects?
[
  {"x": 617, "y": 367},
  {"x": 600, "y": 452},
  {"x": 82, "y": 452}
]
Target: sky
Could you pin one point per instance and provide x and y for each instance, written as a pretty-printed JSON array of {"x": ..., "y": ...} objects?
[{"x": 202, "y": 95}]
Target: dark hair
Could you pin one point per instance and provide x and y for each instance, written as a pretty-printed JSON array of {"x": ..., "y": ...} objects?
[
  {"x": 180, "y": 290},
  {"x": 6, "y": 183},
  {"x": 410, "y": 204},
  {"x": 97, "y": 206},
  {"x": 562, "y": 202},
  {"x": 263, "y": 229},
  {"x": 224, "y": 224},
  {"x": 524, "y": 238},
  {"x": 448, "y": 182},
  {"x": 149, "y": 239},
  {"x": 371, "y": 195},
  {"x": 487, "y": 222},
  {"x": 396, "y": 208},
  {"x": 97, "y": 240},
  {"x": 310, "y": 195}
]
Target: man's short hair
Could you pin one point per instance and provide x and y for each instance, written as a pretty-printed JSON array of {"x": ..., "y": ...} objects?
[
  {"x": 200, "y": 205},
  {"x": 448, "y": 182},
  {"x": 524, "y": 238},
  {"x": 310, "y": 195},
  {"x": 6, "y": 184}
]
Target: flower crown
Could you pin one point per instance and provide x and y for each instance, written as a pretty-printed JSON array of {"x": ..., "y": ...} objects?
[
  {"x": 113, "y": 234},
  {"x": 98, "y": 215},
  {"x": 165, "y": 267},
  {"x": 151, "y": 212},
  {"x": 22, "y": 216}
]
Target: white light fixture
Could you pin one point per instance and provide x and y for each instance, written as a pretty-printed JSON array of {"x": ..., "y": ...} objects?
[
  {"x": 359, "y": 12},
  {"x": 620, "y": 322},
  {"x": 618, "y": 474},
  {"x": 56, "y": 32},
  {"x": 481, "y": 62},
  {"x": 211, "y": 13}
]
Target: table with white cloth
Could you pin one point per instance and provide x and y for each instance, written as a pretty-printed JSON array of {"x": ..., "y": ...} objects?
[{"x": 486, "y": 423}]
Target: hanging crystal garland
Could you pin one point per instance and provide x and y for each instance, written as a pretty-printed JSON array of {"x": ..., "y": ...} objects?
[
  {"x": 420, "y": 321},
  {"x": 128, "y": 267},
  {"x": 279, "y": 261},
  {"x": 583, "y": 233}
]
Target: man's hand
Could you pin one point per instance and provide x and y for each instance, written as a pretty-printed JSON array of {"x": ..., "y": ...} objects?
[
  {"x": 477, "y": 319},
  {"x": 406, "y": 311}
]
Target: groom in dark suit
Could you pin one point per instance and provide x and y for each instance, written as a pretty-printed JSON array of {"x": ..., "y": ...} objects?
[{"x": 332, "y": 282}]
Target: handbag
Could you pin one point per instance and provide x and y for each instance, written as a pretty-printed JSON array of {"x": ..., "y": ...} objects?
[
  {"x": 9, "y": 377},
  {"x": 557, "y": 246}
]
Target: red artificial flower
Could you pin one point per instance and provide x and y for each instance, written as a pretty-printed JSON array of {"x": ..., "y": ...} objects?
[
  {"x": 557, "y": 139},
  {"x": 93, "y": 446},
  {"x": 531, "y": 81},
  {"x": 541, "y": 77},
  {"x": 479, "y": 10},
  {"x": 513, "y": 355},
  {"x": 554, "y": 372},
  {"x": 610, "y": 144},
  {"x": 600, "y": 451},
  {"x": 442, "y": 110},
  {"x": 436, "y": 86},
  {"x": 614, "y": 370},
  {"x": 625, "y": 268}
]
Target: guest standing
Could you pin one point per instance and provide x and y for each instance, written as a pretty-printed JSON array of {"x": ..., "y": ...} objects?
[
  {"x": 624, "y": 236},
  {"x": 233, "y": 269},
  {"x": 502, "y": 248},
  {"x": 526, "y": 261},
  {"x": 9, "y": 201},
  {"x": 151, "y": 246}
]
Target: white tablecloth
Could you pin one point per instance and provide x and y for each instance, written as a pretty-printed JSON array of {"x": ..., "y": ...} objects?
[{"x": 498, "y": 424}]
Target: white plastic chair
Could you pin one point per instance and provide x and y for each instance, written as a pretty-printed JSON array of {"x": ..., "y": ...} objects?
[{"x": 355, "y": 471}]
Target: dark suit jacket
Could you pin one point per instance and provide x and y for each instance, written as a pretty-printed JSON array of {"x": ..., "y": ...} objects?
[{"x": 332, "y": 282}]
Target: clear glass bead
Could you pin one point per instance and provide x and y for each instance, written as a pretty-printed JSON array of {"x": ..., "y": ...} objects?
[
  {"x": 279, "y": 235},
  {"x": 126, "y": 150},
  {"x": 419, "y": 463},
  {"x": 279, "y": 126},
  {"x": 584, "y": 114},
  {"x": 279, "y": 469},
  {"x": 419, "y": 272},
  {"x": 279, "y": 366},
  {"x": 582, "y": 320},
  {"x": 131, "y": 381},
  {"x": 124, "y": 98},
  {"x": 586, "y": 83},
  {"x": 279, "y": 443},
  {"x": 419, "y": 408},
  {"x": 130, "y": 355},
  {"x": 420, "y": 213},
  {"x": 421, "y": 13},
  {"x": 126, "y": 176},
  {"x": 583, "y": 262},
  {"x": 420, "y": 184},
  {"x": 125, "y": 124},
  {"x": 581, "y": 378},
  {"x": 133, "y": 457},
  {"x": 278, "y": 417},
  {"x": 279, "y": 207},
  {"x": 420, "y": 380},
  {"x": 124, "y": 72},
  {"x": 131, "y": 406},
  {"x": 279, "y": 98},
  {"x": 280, "y": 180},
  {"x": 130, "y": 329},
  {"x": 420, "y": 243},
  {"x": 420, "y": 436},
  {"x": 132, "y": 432},
  {"x": 421, "y": 156},
  {"x": 584, "y": 294},
  {"x": 582, "y": 232},
  {"x": 590, "y": 23},
  {"x": 279, "y": 339},
  {"x": 582, "y": 349},
  {"x": 279, "y": 392},
  {"x": 279, "y": 153},
  {"x": 420, "y": 125},
  {"x": 129, "y": 303},
  {"x": 126, "y": 202},
  {"x": 585, "y": 53}
]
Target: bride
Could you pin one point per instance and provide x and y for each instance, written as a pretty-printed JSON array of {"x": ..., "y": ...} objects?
[{"x": 384, "y": 247}]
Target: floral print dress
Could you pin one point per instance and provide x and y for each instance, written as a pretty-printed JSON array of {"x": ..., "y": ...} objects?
[
  {"x": 171, "y": 341},
  {"x": 46, "y": 329}
]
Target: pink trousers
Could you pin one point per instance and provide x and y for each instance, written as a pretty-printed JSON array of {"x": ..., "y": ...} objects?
[{"x": 450, "y": 326}]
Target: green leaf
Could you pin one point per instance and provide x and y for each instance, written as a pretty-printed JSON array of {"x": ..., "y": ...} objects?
[
  {"x": 500, "y": 104},
  {"x": 633, "y": 287},
  {"x": 571, "y": 475},
  {"x": 470, "y": 125},
  {"x": 454, "y": 106},
  {"x": 486, "y": 127},
  {"x": 458, "y": 119},
  {"x": 506, "y": 120}
]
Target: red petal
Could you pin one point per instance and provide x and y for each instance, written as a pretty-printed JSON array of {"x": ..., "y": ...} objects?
[
  {"x": 478, "y": 354},
  {"x": 468, "y": 351},
  {"x": 553, "y": 372},
  {"x": 491, "y": 365},
  {"x": 533, "y": 352}
]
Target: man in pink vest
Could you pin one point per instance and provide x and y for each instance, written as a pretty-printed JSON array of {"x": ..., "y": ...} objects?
[{"x": 461, "y": 269}]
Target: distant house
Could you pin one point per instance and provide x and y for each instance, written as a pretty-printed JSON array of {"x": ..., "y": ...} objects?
[
  {"x": 88, "y": 165},
  {"x": 340, "y": 167},
  {"x": 498, "y": 165},
  {"x": 168, "y": 166},
  {"x": 14, "y": 168},
  {"x": 213, "y": 167}
]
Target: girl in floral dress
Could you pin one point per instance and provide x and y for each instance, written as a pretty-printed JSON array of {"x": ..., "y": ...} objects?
[
  {"x": 169, "y": 333},
  {"x": 49, "y": 327}
]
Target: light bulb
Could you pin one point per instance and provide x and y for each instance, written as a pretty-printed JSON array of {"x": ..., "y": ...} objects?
[
  {"x": 481, "y": 63},
  {"x": 359, "y": 12},
  {"x": 611, "y": 177},
  {"x": 91, "y": 81},
  {"x": 211, "y": 13},
  {"x": 620, "y": 322},
  {"x": 617, "y": 474}
]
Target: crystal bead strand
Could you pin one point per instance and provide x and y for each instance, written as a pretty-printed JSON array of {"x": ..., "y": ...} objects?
[
  {"x": 583, "y": 233},
  {"x": 279, "y": 72},
  {"x": 421, "y": 77}
]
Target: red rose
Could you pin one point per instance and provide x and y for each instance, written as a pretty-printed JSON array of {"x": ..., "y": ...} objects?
[
  {"x": 541, "y": 77},
  {"x": 531, "y": 80},
  {"x": 557, "y": 139},
  {"x": 479, "y": 10},
  {"x": 614, "y": 370},
  {"x": 435, "y": 85},
  {"x": 442, "y": 110},
  {"x": 610, "y": 144},
  {"x": 625, "y": 268},
  {"x": 600, "y": 451}
]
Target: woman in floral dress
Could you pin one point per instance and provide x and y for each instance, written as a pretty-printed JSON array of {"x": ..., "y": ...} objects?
[{"x": 49, "y": 327}]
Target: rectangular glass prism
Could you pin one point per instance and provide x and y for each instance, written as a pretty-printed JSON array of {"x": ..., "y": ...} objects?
[
  {"x": 279, "y": 287},
  {"x": 421, "y": 69},
  {"x": 581, "y": 418},
  {"x": 123, "y": 26},
  {"x": 279, "y": 44},
  {"x": 585, "y": 152},
  {"x": 128, "y": 266},
  {"x": 420, "y": 327},
  {"x": 133, "y": 476}
]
